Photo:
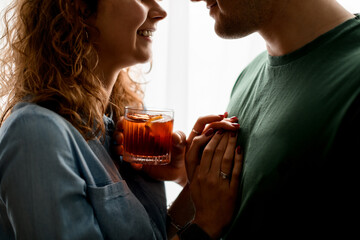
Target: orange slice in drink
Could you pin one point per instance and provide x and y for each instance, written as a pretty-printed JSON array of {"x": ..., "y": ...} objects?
[
  {"x": 152, "y": 119},
  {"x": 150, "y": 124},
  {"x": 138, "y": 116}
]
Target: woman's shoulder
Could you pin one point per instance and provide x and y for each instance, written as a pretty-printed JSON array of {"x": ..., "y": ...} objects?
[
  {"x": 39, "y": 138},
  {"x": 25, "y": 110},
  {"x": 33, "y": 123}
]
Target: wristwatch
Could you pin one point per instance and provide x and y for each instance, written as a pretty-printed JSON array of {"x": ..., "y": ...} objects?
[{"x": 192, "y": 231}]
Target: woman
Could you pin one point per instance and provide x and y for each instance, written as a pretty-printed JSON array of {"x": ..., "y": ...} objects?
[{"x": 65, "y": 77}]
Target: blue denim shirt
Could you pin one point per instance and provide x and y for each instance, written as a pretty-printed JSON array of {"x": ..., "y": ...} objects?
[{"x": 55, "y": 185}]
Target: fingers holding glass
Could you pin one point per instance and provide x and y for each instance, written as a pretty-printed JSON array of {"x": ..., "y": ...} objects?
[
  {"x": 178, "y": 145},
  {"x": 118, "y": 143}
]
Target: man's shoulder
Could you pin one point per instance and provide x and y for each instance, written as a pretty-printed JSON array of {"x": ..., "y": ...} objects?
[
  {"x": 254, "y": 67},
  {"x": 259, "y": 60}
]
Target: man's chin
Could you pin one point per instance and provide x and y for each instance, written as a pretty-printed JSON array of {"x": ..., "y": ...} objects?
[
  {"x": 224, "y": 33},
  {"x": 229, "y": 32}
]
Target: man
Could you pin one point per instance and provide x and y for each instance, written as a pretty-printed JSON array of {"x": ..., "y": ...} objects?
[{"x": 298, "y": 105}]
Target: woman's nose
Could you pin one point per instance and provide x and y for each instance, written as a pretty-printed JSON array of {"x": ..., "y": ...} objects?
[{"x": 157, "y": 12}]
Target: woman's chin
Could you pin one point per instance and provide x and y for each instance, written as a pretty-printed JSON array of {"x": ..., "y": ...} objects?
[{"x": 144, "y": 59}]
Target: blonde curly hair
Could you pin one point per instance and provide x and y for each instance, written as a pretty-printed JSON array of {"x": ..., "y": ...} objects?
[{"x": 47, "y": 59}]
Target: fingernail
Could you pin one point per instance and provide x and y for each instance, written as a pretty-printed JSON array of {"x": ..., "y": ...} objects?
[
  {"x": 220, "y": 131},
  {"x": 209, "y": 132},
  {"x": 239, "y": 150},
  {"x": 233, "y": 134},
  {"x": 234, "y": 118},
  {"x": 221, "y": 115},
  {"x": 226, "y": 114},
  {"x": 235, "y": 124}
]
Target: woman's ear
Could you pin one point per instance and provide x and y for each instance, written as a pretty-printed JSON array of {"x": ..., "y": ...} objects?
[{"x": 83, "y": 9}]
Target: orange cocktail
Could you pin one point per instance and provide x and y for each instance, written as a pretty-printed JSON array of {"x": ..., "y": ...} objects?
[{"x": 147, "y": 135}]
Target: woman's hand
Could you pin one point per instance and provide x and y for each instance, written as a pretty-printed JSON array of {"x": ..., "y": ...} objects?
[
  {"x": 119, "y": 137},
  {"x": 175, "y": 170},
  {"x": 215, "y": 122},
  {"x": 215, "y": 180},
  {"x": 202, "y": 125}
]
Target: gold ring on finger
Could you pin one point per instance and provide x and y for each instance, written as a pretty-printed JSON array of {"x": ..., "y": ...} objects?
[{"x": 224, "y": 175}]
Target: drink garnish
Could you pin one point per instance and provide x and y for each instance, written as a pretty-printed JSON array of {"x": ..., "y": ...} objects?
[
  {"x": 138, "y": 116},
  {"x": 152, "y": 118}
]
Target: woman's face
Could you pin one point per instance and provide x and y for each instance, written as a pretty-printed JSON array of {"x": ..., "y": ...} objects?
[{"x": 126, "y": 28}]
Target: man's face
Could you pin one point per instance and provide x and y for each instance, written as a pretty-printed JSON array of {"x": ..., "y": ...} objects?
[{"x": 239, "y": 18}]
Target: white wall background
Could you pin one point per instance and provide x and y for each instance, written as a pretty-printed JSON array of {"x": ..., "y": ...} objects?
[{"x": 193, "y": 69}]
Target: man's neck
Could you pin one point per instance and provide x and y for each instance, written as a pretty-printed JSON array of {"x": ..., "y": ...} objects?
[{"x": 300, "y": 22}]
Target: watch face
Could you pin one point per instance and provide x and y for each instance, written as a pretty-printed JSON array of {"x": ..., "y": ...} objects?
[{"x": 193, "y": 232}]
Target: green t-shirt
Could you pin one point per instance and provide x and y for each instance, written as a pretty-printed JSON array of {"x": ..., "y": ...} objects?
[{"x": 295, "y": 180}]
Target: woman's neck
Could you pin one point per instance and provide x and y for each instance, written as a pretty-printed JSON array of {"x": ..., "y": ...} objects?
[{"x": 108, "y": 77}]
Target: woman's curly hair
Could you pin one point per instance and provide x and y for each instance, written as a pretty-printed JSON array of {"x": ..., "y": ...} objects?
[{"x": 47, "y": 59}]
